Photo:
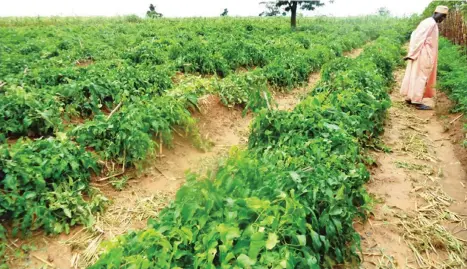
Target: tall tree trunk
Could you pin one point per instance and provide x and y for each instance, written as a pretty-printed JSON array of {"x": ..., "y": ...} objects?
[{"x": 293, "y": 19}]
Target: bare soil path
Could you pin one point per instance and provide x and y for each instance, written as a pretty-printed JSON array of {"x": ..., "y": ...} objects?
[
  {"x": 420, "y": 186},
  {"x": 288, "y": 100}
]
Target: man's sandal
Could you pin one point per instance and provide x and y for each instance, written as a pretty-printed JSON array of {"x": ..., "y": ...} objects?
[{"x": 423, "y": 107}]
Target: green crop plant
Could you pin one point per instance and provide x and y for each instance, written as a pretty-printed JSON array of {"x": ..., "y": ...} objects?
[
  {"x": 452, "y": 68},
  {"x": 94, "y": 90},
  {"x": 249, "y": 89},
  {"x": 127, "y": 136},
  {"x": 26, "y": 112},
  {"x": 43, "y": 183}
]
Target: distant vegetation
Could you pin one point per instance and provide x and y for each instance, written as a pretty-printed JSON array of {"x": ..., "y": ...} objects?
[
  {"x": 152, "y": 13},
  {"x": 274, "y": 8},
  {"x": 225, "y": 13}
]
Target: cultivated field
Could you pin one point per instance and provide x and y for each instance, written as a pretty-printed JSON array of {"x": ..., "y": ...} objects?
[{"x": 280, "y": 131}]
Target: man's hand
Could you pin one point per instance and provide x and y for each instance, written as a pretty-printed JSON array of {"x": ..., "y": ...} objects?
[{"x": 407, "y": 58}]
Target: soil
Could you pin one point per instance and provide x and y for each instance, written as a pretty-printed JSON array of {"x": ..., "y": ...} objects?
[
  {"x": 423, "y": 160},
  {"x": 84, "y": 62},
  {"x": 353, "y": 53},
  {"x": 453, "y": 124},
  {"x": 223, "y": 127},
  {"x": 288, "y": 100}
]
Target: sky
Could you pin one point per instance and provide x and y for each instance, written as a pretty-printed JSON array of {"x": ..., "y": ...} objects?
[{"x": 191, "y": 8}]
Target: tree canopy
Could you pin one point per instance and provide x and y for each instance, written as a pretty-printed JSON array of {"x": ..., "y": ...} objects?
[
  {"x": 291, "y": 6},
  {"x": 152, "y": 13},
  {"x": 460, "y": 5},
  {"x": 272, "y": 10},
  {"x": 383, "y": 11}
]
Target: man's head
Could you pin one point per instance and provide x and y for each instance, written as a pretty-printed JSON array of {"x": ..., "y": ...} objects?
[{"x": 441, "y": 12}]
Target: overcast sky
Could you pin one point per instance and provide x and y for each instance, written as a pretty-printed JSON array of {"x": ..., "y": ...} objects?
[{"x": 189, "y": 8}]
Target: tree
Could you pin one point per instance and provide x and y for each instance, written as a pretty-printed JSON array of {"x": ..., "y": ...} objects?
[
  {"x": 225, "y": 13},
  {"x": 152, "y": 13},
  {"x": 383, "y": 11},
  {"x": 460, "y": 5},
  {"x": 271, "y": 10},
  {"x": 292, "y": 6}
]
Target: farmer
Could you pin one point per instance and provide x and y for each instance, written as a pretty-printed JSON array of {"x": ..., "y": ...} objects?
[{"x": 420, "y": 75}]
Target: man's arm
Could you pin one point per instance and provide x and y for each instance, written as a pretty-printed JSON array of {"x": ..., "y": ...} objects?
[{"x": 418, "y": 38}]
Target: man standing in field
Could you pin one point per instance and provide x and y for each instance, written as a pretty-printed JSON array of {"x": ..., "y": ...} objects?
[{"x": 420, "y": 76}]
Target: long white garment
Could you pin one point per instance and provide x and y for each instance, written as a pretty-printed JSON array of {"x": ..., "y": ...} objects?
[{"x": 420, "y": 75}]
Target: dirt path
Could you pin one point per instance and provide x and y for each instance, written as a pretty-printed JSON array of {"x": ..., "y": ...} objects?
[
  {"x": 420, "y": 186},
  {"x": 151, "y": 191},
  {"x": 288, "y": 100}
]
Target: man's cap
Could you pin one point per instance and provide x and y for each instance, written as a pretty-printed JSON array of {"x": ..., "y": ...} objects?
[{"x": 442, "y": 9}]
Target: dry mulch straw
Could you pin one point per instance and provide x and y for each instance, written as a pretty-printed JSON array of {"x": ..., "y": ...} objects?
[
  {"x": 424, "y": 230},
  {"x": 412, "y": 137},
  {"x": 413, "y": 142},
  {"x": 130, "y": 213},
  {"x": 432, "y": 244},
  {"x": 384, "y": 261},
  {"x": 422, "y": 168}
]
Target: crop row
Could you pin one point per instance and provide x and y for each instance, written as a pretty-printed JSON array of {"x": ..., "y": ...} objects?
[
  {"x": 94, "y": 93},
  {"x": 452, "y": 70},
  {"x": 290, "y": 199}
]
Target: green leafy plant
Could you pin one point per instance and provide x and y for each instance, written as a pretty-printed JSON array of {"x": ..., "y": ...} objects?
[
  {"x": 3, "y": 248},
  {"x": 43, "y": 183},
  {"x": 27, "y": 113},
  {"x": 247, "y": 89},
  {"x": 127, "y": 136},
  {"x": 452, "y": 68}
]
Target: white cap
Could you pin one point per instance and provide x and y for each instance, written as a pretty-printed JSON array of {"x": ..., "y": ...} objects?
[{"x": 442, "y": 9}]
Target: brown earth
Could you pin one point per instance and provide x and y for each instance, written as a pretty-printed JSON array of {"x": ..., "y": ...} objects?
[
  {"x": 288, "y": 100},
  {"x": 354, "y": 53},
  {"x": 420, "y": 188},
  {"x": 84, "y": 62},
  {"x": 453, "y": 124}
]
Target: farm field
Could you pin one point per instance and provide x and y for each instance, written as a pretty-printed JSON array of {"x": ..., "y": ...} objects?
[{"x": 101, "y": 118}]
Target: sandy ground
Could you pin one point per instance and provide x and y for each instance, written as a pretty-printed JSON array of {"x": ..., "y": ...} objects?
[
  {"x": 420, "y": 188},
  {"x": 288, "y": 100}
]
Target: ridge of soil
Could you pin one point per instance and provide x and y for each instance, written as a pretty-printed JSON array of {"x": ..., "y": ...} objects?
[
  {"x": 420, "y": 188},
  {"x": 453, "y": 124}
]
